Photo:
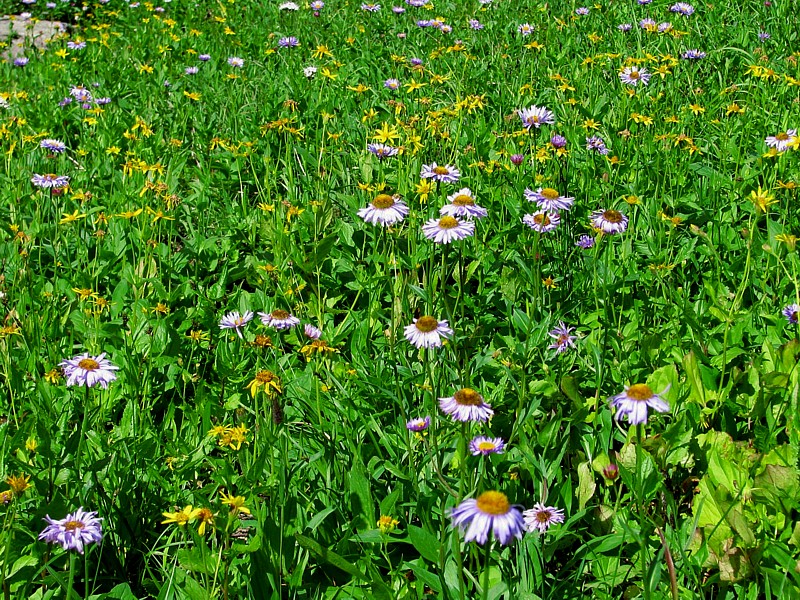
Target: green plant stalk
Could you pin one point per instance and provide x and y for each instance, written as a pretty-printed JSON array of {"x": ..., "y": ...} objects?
[{"x": 486, "y": 560}]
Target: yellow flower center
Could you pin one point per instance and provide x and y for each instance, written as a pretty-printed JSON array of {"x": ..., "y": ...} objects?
[
  {"x": 613, "y": 216},
  {"x": 383, "y": 201},
  {"x": 543, "y": 516},
  {"x": 640, "y": 392},
  {"x": 280, "y": 314},
  {"x": 782, "y": 137},
  {"x": 486, "y": 445},
  {"x": 73, "y": 525},
  {"x": 441, "y": 170},
  {"x": 427, "y": 324},
  {"x": 264, "y": 377},
  {"x": 463, "y": 200},
  {"x": 448, "y": 222},
  {"x": 549, "y": 193},
  {"x": 468, "y": 397},
  {"x": 493, "y": 503},
  {"x": 634, "y": 75},
  {"x": 89, "y": 364},
  {"x": 541, "y": 219}
]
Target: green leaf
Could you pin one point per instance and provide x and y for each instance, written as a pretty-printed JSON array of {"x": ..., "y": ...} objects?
[
  {"x": 329, "y": 556},
  {"x": 586, "y": 484},
  {"x": 426, "y": 544},
  {"x": 122, "y": 592}
]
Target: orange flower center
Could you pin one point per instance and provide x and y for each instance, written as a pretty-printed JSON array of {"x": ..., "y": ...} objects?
[
  {"x": 264, "y": 376},
  {"x": 486, "y": 446},
  {"x": 549, "y": 193},
  {"x": 463, "y": 200},
  {"x": 634, "y": 75},
  {"x": 541, "y": 219},
  {"x": 280, "y": 314},
  {"x": 640, "y": 392},
  {"x": 383, "y": 201},
  {"x": 441, "y": 170},
  {"x": 427, "y": 324},
  {"x": 493, "y": 503},
  {"x": 543, "y": 516},
  {"x": 73, "y": 525},
  {"x": 613, "y": 216},
  {"x": 468, "y": 397},
  {"x": 448, "y": 222},
  {"x": 89, "y": 364},
  {"x": 782, "y": 137}
]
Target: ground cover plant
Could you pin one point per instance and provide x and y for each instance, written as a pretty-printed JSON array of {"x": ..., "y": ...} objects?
[{"x": 485, "y": 299}]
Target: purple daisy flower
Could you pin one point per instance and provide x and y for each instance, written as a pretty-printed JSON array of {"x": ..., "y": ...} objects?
[
  {"x": 541, "y": 517},
  {"x": 462, "y": 205},
  {"x": 488, "y": 513},
  {"x": 542, "y": 221},
  {"x": 420, "y": 424},
  {"x": 311, "y": 332},
  {"x": 485, "y": 446},
  {"x": 233, "y": 320},
  {"x": 536, "y": 116},
  {"x": 89, "y": 371},
  {"x": 75, "y": 531},
  {"x": 384, "y": 210},
  {"x": 634, "y": 76},
  {"x": 442, "y": 173},
  {"x": 427, "y": 332},
  {"x": 382, "y": 150},
  {"x": 54, "y": 146},
  {"x": 635, "y": 401},
  {"x": 466, "y": 405},
  {"x": 563, "y": 338},
  {"x": 279, "y": 319},
  {"x": 50, "y": 181},
  {"x": 447, "y": 229},
  {"x": 392, "y": 84},
  {"x": 585, "y": 242},
  {"x": 549, "y": 199},
  {"x": 288, "y": 42},
  {"x": 792, "y": 313},
  {"x": 596, "y": 144},
  {"x": 609, "y": 221}
]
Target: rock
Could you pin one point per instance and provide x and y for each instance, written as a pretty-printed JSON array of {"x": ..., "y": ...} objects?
[{"x": 20, "y": 31}]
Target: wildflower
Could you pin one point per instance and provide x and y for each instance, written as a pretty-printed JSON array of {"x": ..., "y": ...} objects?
[
  {"x": 21, "y": 61},
  {"x": 427, "y": 332},
  {"x": 682, "y": 8},
  {"x": 596, "y": 144},
  {"x": 50, "y": 181},
  {"x": 310, "y": 71},
  {"x": 635, "y": 400},
  {"x": 289, "y": 6},
  {"x": 369, "y": 7},
  {"x": 419, "y": 424},
  {"x": 181, "y": 517},
  {"x": 541, "y": 517},
  {"x": 763, "y": 36},
  {"x": 484, "y": 445},
  {"x": 490, "y": 511},
  {"x": 312, "y": 332},
  {"x": 693, "y": 55},
  {"x": 609, "y": 221},
  {"x": 782, "y": 141},
  {"x": 517, "y": 159},
  {"x": 235, "y": 502},
  {"x": 611, "y": 471},
  {"x": 792, "y": 313},
  {"x": 624, "y": 27},
  {"x": 634, "y": 76},
  {"x": 475, "y": 25},
  {"x": 441, "y": 173},
  {"x": 391, "y": 84},
  {"x": 266, "y": 379},
  {"x": 549, "y": 199},
  {"x": 206, "y": 517},
  {"x": 204, "y": 57},
  {"x": 236, "y": 62},
  {"x": 447, "y": 229},
  {"x": 233, "y": 320},
  {"x": 762, "y": 199},
  {"x": 191, "y": 70},
  {"x": 18, "y": 484},
  {"x": 387, "y": 524},
  {"x": 318, "y": 346},
  {"x": 466, "y": 405},
  {"x": 558, "y": 141},
  {"x": 542, "y": 221},
  {"x": 525, "y": 29},
  {"x": 54, "y": 146},
  {"x": 279, "y": 319},
  {"x": 6, "y": 497},
  {"x": 71, "y": 218},
  {"x": 581, "y": 11},
  {"x": 88, "y": 371},
  {"x": 462, "y": 204},
  {"x": 384, "y": 210},
  {"x": 536, "y": 116},
  {"x": 398, "y": 10},
  {"x": 74, "y": 531},
  {"x": 382, "y": 150},
  {"x": 563, "y": 338},
  {"x": 288, "y": 42}
]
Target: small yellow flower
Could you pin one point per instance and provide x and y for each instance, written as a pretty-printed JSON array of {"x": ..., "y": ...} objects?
[
  {"x": 235, "y": 502},
  {"x": 266, "y": 379},
  {"x": 84, "y": 293},
  {"x": 318, "y": 346},
  {"x": 31, "y": 444},
  {"x": 762, "y": 199},
  {"x": 423, "y": 190},
  {"x": 549, "y": 283},
  {"x": 52, "y": 376},
  {"x": 67, "y": 218},
  {"x": 18, "y": 483},
  {"x": 788, "y": 239},
  {"x": 182, "y": 517},
  {"x": 206, "y": 517},
  {"x": 386, "y": 524},
  {"x": 198, "y": 335}
]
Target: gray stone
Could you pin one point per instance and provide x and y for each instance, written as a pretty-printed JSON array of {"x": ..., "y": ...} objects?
[{"x": 21, "y": 33}]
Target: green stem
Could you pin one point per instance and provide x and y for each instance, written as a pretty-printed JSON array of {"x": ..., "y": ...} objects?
[{"x": 486, "y": 559}]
